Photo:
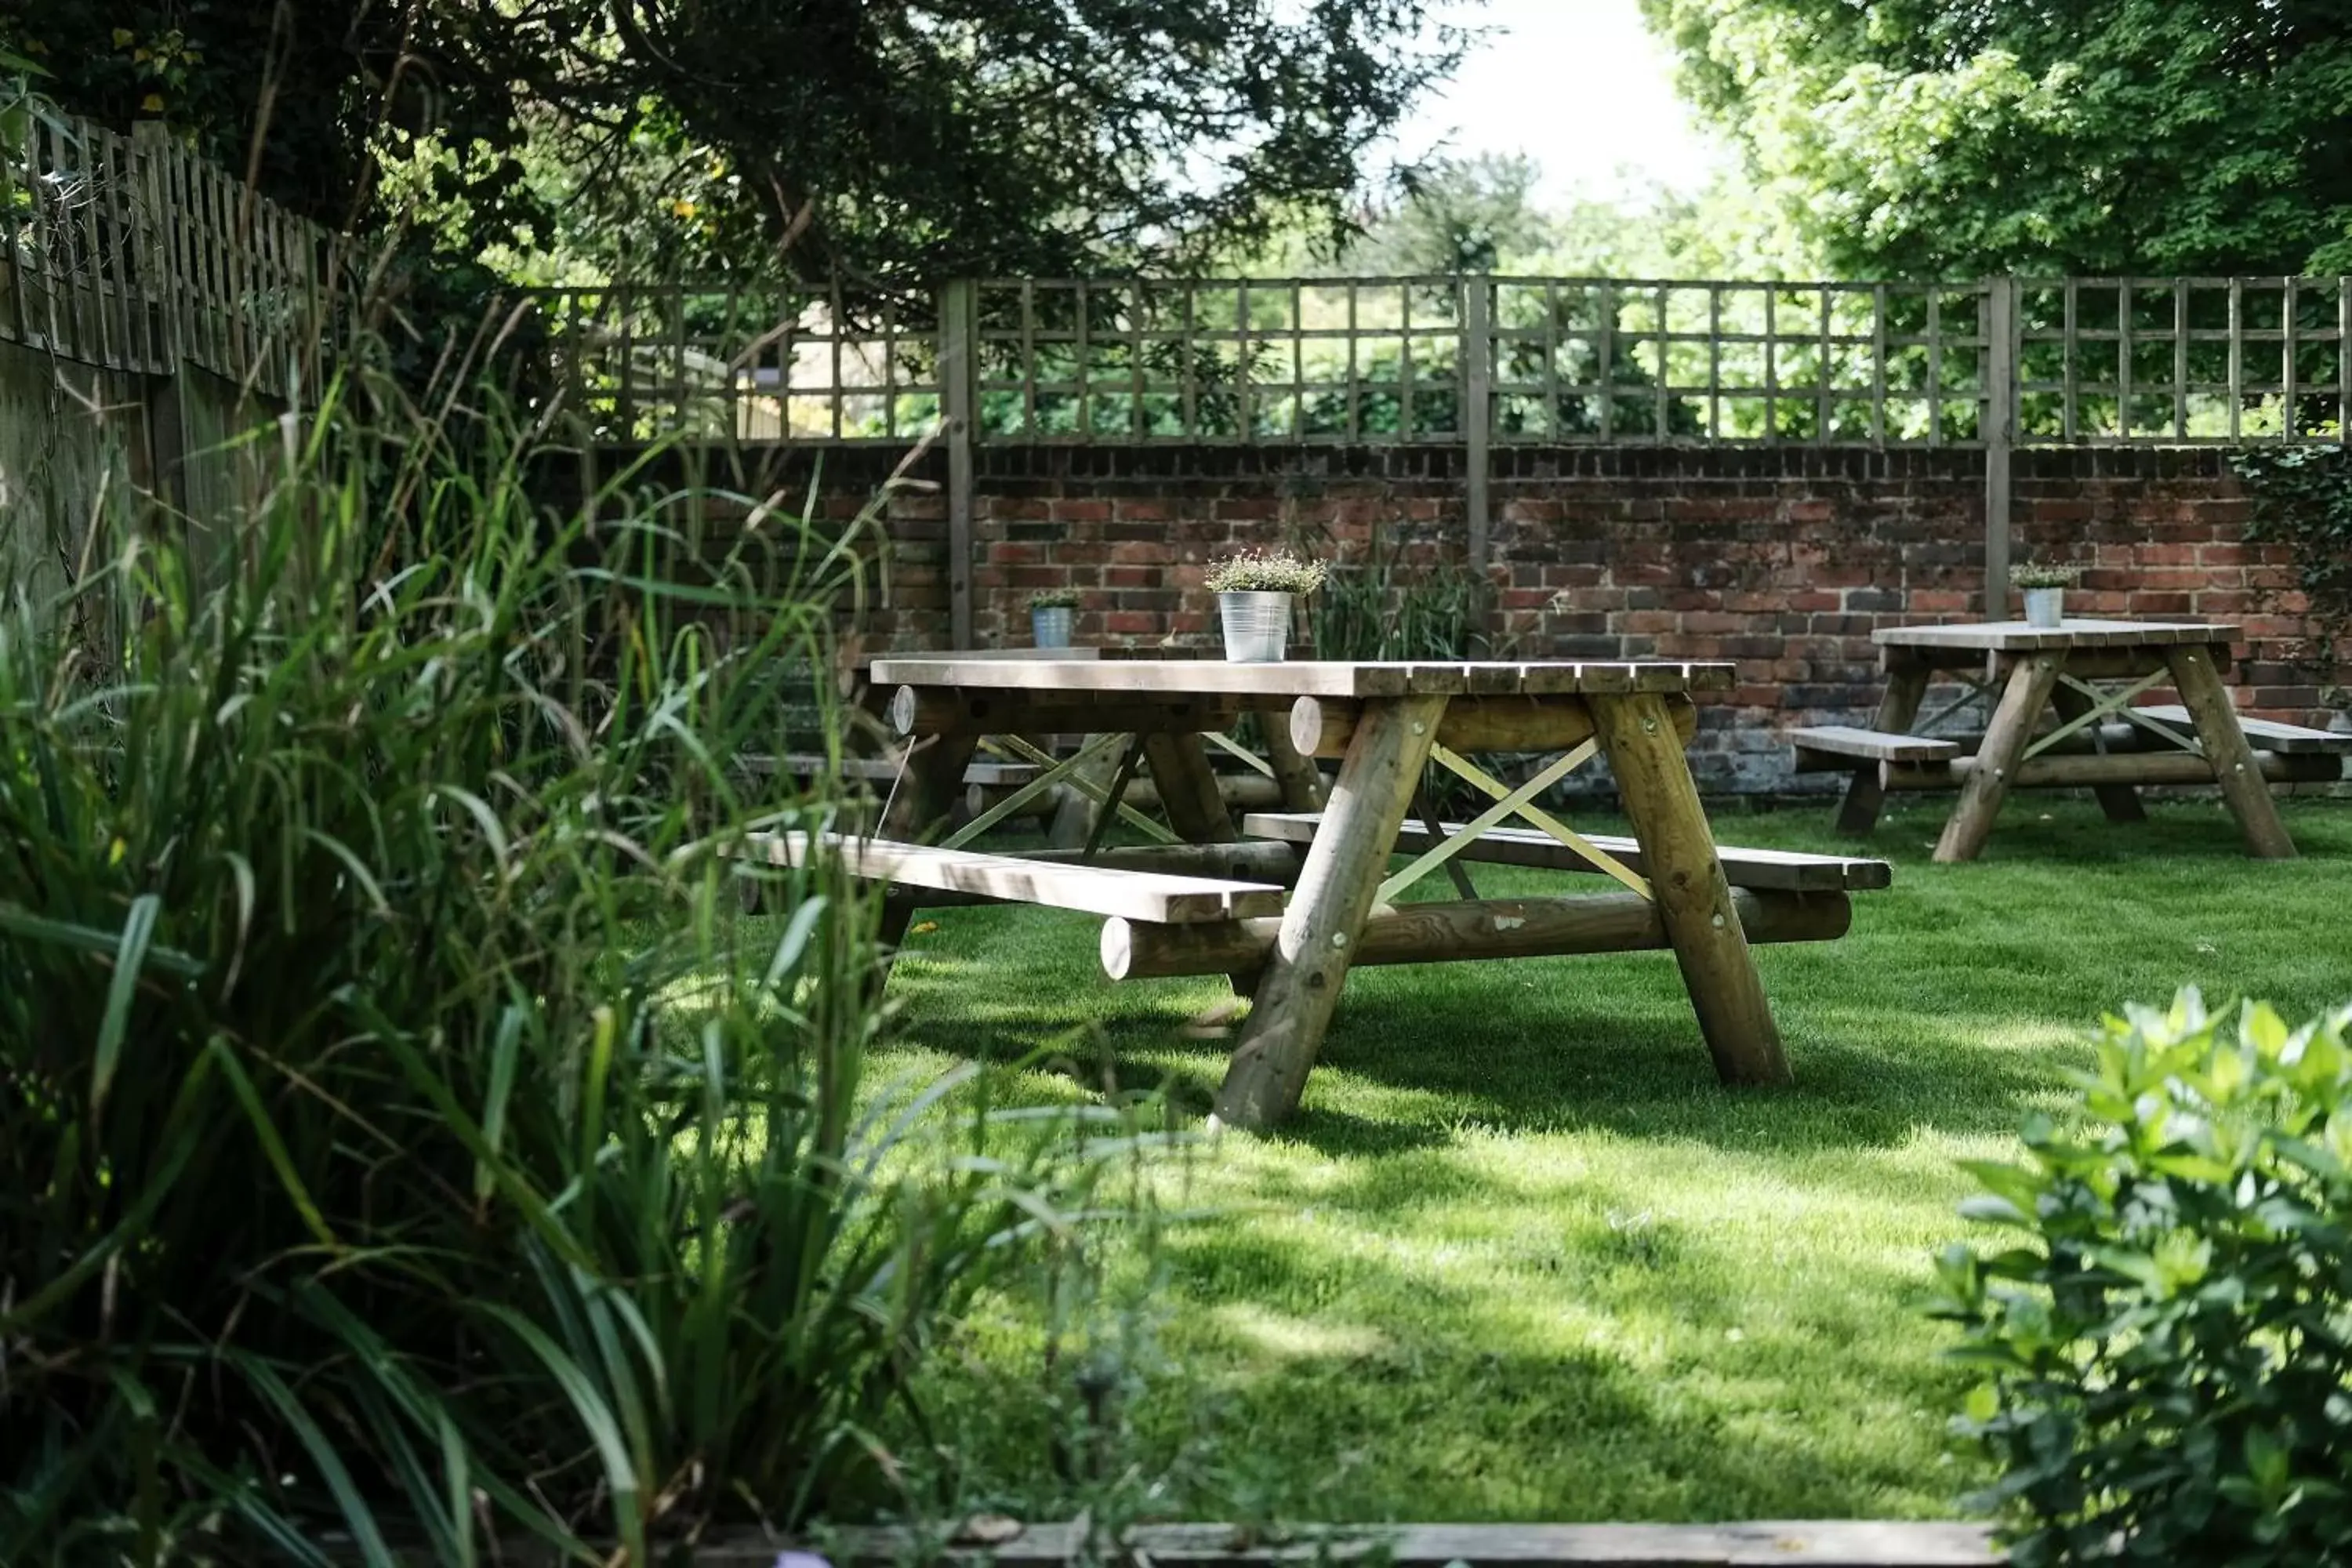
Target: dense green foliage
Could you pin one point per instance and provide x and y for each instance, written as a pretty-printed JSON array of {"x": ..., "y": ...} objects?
[
  {"x": 2168, "y": 1344},
  {"x": 1923, "y": 140},
  {"x": 2301, "y": 496},
  {"x": 914, "y": 140},
  {"x": 400, "y": 1131}
]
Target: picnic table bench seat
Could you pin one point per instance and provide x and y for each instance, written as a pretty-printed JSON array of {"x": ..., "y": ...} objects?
[
  {"x": 1159, "y": 896},
  {"x": 985, "y": 775},
  {"x": 2269, "y": 734},
  {"x": 1834, "y": 747},
  {"x": 1776, "y": 871}
]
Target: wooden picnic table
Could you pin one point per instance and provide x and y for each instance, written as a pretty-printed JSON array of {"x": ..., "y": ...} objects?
[
  {"x": 1384, "y": 723},
  {"x": 2085, "y": 673}
]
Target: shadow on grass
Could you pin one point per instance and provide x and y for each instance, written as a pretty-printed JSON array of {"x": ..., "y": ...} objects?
[{"x": 1389, "y": 1375}]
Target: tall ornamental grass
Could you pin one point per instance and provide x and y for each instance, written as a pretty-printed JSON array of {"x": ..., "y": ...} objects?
[{"x": 405, "y": 1146}]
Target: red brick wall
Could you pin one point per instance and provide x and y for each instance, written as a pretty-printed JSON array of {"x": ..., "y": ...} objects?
[{"x": 1783, "y": 560}]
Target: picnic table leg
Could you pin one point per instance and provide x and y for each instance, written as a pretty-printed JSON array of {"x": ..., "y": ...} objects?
[
  {"x": 1906, "y": 687},
  {"x": 1686, "y": 878},
  {"x": 2030, "y": 680},
  {"x": 2119, "y": 800},
  {"x": 1074, "y": 819},
  {"x": 2226, "y": 748},
  {"x": 1296, "y": 995},
  {"x": 1188, "y": 788},
  {"x": 924, "y": 798}
]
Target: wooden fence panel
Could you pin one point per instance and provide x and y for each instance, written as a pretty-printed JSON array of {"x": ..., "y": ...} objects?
[{"x": 134, "y": 254}]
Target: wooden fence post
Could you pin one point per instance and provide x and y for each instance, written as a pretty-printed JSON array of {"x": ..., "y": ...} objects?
[
  {"x": 158, "y": 298},
  {"x": 2000, "y": 430},
  {"x": 959, "y": 407},
  {"x": 1478, "y": 404}
]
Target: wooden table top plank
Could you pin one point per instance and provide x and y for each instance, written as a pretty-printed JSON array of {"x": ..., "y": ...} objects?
[
  {"x": 2016, "y": 637},
  {"x": 1146, "y": 678}
]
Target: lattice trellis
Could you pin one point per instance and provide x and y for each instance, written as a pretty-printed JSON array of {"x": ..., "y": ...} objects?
[
  {"x": 2183, "y": 361},
  {"x": 1480, "y": 362},
  {"x": 761, "y": 364}
]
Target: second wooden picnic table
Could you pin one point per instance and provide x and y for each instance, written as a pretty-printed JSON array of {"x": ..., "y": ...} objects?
[
  {"x": 1385, "y": 722},
  {"x": 2083, "y": 672}
]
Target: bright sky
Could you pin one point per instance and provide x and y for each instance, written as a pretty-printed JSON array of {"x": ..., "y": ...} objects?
[{"x": 1580, "y": 86}]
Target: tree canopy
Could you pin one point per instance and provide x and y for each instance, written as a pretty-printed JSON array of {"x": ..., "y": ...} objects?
[
  {"x": 876, "y": 141},
  {"x": 1917, "y": 138}
]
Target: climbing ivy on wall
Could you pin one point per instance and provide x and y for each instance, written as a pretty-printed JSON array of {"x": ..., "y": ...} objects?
[{"x": 2301, "y": 497}]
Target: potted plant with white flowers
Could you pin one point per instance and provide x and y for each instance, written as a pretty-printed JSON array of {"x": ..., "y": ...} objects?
[
  {"x": 1254, "y": 593},
  {"x": 2044, "y": 587},
  {"x": 1050, "y": 613}
]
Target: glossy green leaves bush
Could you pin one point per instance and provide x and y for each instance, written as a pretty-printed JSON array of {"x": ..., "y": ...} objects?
[{"x": 2167, "y": 1340}]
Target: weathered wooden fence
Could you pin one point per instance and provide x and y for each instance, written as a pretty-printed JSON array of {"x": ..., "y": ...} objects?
[
  {"x": 151, "y": 308},
  {"x": 1478, "y": 363},
  {"x": 131, "y": 253}
]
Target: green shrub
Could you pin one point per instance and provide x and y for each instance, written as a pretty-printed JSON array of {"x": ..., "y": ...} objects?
[
  {"x": 400, "y": 1133},
  {"x": 2168, "y": 1346}
]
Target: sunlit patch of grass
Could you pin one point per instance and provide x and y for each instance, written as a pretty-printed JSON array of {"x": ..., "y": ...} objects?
[{"x": 1520, "y": 1256}]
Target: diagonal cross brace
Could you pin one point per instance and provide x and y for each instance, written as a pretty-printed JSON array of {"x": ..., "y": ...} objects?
[
  {"x": 2102, "y": 705},
  {"x": 2139, "y": 717},
  {"x": 1600, "y": 860},
  {"x": 1978, "y": 692},
  {"x": 1034, "y": 789},
  {"x": 1018, "y": 747},
  {"x": 1227, "y": 743},
  {"x": 1510, "y": 803}
]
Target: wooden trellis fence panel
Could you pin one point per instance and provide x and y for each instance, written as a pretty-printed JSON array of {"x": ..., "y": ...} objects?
[
  {"x": 133, "y": 253},
  {"x": 1480, "y": 362}
]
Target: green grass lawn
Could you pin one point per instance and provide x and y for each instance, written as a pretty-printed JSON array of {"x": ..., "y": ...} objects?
[{"x": 1521, "y": 1257}]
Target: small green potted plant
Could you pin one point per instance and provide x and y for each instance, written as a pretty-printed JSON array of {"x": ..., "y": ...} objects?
[
  {"x": 1049, "y": 617},
  {"x": 1254, "y": 591},
  {"x": 2044, "y": 587}
]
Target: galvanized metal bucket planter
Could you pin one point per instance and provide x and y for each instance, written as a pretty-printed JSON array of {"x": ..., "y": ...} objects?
[
  {"x": 1049, "y": 625},
  {"x": 2045, "y": 607},
  {"x": 1257, "y": 626}
]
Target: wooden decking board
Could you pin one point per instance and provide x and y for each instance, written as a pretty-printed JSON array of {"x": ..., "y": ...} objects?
[{"x": 1777, "y": 870}]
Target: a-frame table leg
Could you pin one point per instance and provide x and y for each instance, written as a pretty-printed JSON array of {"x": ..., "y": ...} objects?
[
  {"x": 1898, "y": 708},
  {"x": 2119, "y": 800},
  {"x": 1686, "y": 878},
  {"x": 1300, "y": 987},
  {"x": 1188, "y": 788},
  {"x": 2030, "y": 680},
  {"x": 2226, "y": 748}
]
